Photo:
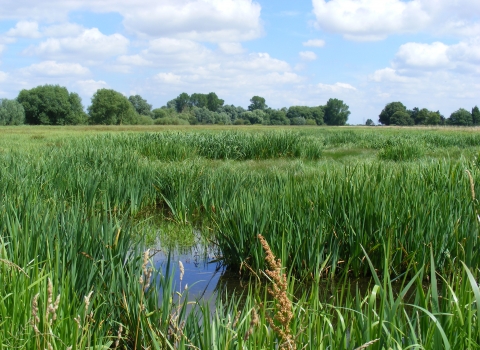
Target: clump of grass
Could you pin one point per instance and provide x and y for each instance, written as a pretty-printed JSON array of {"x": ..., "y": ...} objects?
[{"x": 402, "y": 151}]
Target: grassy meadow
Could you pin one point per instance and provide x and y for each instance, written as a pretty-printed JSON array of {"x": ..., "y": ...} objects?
[{"x": 80, "y": 207}]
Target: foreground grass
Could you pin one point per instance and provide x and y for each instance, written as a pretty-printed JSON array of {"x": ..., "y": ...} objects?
[{"x": 75, "y": 210}]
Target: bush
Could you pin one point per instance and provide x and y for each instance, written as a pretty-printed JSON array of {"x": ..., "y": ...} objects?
[
  {"x": 11, "y": 112},
  {"x": 170, "y": 121},
  {"x": 310, "y": 122},
  {"x": 144, "y": 120}
]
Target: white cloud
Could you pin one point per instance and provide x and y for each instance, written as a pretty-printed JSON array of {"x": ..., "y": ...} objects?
[
  {"x": 308, "y": 55},
  {"x": 3, "y": 76},
  {"x": 90, "y": 86},
  {"x": 63, "y": 30},
  {"x": 424, "y": 56},
  {"x": 418, "y": 58},
  {"x": 54, "y": 69},
  {"x": 203, "y": 20},
  {"x": 91, "y": 44},
  {"x": 134, "y": 60},
  {"x": 168, "y": 78},
  {"x": 389, "y": 75},
  {"x": 368, "y": 20},
  {"x": 231, "y": 48},
  {"x": 25, "y": 29},
  {"x": 337, "y": 87},
  {"x": 314, "y": 43}
]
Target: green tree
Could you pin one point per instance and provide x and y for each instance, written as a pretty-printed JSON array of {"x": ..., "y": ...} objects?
[
  {"x": 213, "y": 102},
  {"x": 257, "y": 102},
  {"x": 277, "y": 117},
  {"x": 11, "y": 112},
  {"x": 51, "y": 105},
  {"x": 163, "y": 112},
  {"x": 198, "y": 100},
  {"x": 421, "y": 117},
  {"x": 369, "y": 122},
  {"x": 315, "y": 113},
  {"x": 389, "y": 111},
  {"x": 336, "y": 112},
  {"x": 461, "y": 117},
  {"x": 110, "y": 107},
  {"x": 233, "y": 112},
  {"x": 401, "y": 118},
  {"x": 182, "y": 102},
  {"x": 433, "y": 118},
  {"x": 475, "y": 116},
  {"x": 141, "y": 105}
]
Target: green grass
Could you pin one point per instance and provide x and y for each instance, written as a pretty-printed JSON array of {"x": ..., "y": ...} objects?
[{"x": 79, "y": 206}]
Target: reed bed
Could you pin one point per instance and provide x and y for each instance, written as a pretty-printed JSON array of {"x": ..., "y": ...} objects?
[{"x": 74, "y": 273}]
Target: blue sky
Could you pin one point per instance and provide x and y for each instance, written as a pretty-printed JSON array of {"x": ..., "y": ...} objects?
[{"x": 424, "y": 53}]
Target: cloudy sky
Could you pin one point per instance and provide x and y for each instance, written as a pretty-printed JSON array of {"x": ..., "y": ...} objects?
[{"x": 424, "y": 53}]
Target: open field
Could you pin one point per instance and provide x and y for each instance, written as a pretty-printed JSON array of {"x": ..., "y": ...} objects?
[{"x": 80, "y": 205}]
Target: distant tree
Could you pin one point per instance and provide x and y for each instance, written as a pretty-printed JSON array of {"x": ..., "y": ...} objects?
[
  {"x": 11, "y": 112},
  {"x": 257, "y": 102},
  {"x": 475, "y": 116},
  {"x": 213, "y": 102},
  {"x": 389, "y": 111},
  {"x": 141, "y": 105},
  {"x": 421, "y": 117},
  {"x": 233, "y": 112},
  {"x": 171, "y": 104},
  {"x": 182, "y": 102},
  {"x": 254, "y": 117},
  {"x": 51, "y": 105},
  {"x": 298, "y": 121},
  {"x": 110, "y": 107},
  {"x": 336, "y": 112},
  {"x": 401, "y": 118},
  {"x": 414, "y": 114},
  {"x": 277, "y": 117},
  {"x": 461, "y": 117},
  {"x": 369, "y": 122},
  {"x": 163, "y": 112},
  {"x": 198, "y": 100},
  {"x": 305, "y": 112},
  {"x": 434, "y": 118},
  {"x": 204, "y": 115}
]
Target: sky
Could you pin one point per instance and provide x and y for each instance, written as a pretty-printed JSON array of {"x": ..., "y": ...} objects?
[{"x": 424, "y": 53}]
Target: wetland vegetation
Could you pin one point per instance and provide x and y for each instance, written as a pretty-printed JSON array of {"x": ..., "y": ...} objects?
[{"x": 303, "y": 211}]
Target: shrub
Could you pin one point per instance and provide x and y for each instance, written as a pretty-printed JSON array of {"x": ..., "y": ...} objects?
[{"x": 170, "y": 121}]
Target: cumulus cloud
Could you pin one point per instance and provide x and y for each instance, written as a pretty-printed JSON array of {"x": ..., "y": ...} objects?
[
  {"x": 3, "y": 76},
  {"x": 389, "y": 75},
  {"x": 424, "y": 56},
  {"x": 369, "y": 20},
  {"x": 168, "y": 78},
  {"x": 337, "y": 87},
  {"x": 314, "y": 43},
  {"x": 90, "y": 86},
  {"x": 418, "y": 58},
  {"x": 204, "y": 20},
  {"x": 91, "y": 44},
  {"x": 231, "y": 48},
  {"x": 307, "y": 55},
  {"x": 25, "y": 29},
  {"x": 62, "y": 30},
  {"x": 54, "y": 69}
]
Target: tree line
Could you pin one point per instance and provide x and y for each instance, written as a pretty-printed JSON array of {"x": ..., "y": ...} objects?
[
  {"x": 395, "y": 113},
  {"x": 55, "y": 105}
]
